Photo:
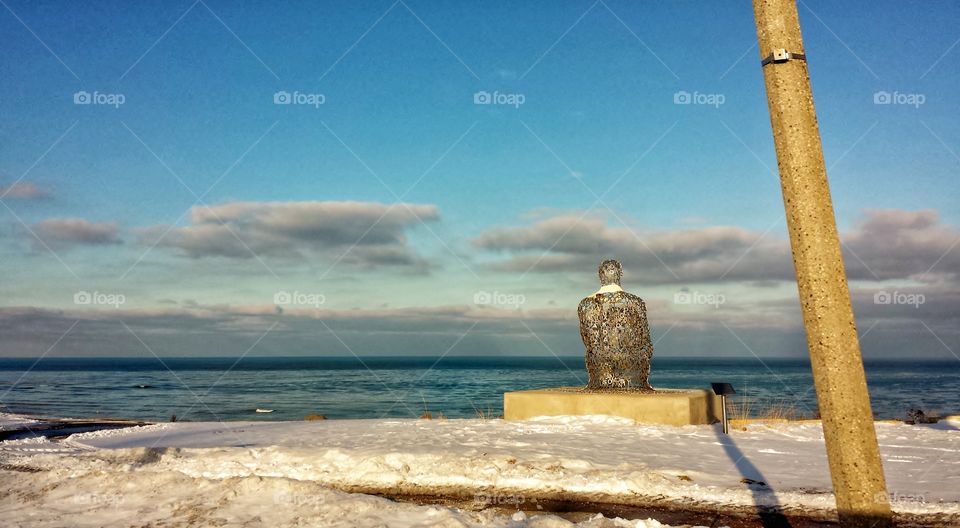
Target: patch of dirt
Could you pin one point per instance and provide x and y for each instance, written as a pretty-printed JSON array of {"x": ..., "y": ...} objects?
[{"x": 20, "y": 469}]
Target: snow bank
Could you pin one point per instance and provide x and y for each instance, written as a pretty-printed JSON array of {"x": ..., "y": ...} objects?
[
  {"x": 593, "y": 458},
  {"x": 141, "y": 498}
]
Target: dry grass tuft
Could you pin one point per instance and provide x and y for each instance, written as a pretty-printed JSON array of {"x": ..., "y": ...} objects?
[
  {"x": 485, "y": 414},
  {"x": 742, "y": 412}
]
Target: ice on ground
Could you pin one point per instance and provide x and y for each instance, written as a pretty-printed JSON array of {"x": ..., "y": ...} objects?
[
  {"x": 595, "y": 458},
  {"x": 14, "y": 421}
]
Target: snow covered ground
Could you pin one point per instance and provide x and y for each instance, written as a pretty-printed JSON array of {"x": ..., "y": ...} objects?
[
  {"x": 131, "y": 498},
  {"x": 283, "y": 472}
]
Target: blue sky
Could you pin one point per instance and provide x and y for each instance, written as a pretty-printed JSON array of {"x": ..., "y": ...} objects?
[{"x": 456, "y": 198}]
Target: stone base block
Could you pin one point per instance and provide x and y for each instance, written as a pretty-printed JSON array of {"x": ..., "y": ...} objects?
[{"x": 665, "y": 406}]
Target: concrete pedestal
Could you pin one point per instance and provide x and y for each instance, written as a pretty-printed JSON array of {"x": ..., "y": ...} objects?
[{"x": 665, "y": 406}]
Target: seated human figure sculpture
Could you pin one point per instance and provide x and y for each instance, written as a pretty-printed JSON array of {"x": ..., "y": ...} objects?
[{"x": 613, "y": 325}]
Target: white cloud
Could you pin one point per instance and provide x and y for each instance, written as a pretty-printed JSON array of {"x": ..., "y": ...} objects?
[
  {"x": 569, "y": 243},
  {"x": 374, "y": 233},
  {"x": 64, "y": 232},
  {"x": 23, "y": 191},
  {"x": 887, "y": 244}
]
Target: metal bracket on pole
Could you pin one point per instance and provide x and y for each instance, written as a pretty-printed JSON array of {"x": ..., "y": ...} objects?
[{"x": 782, "y": 55}]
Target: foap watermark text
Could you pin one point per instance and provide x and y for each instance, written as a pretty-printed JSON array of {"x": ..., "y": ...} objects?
[
  {"x": 899, "y": 98},
  {"x": 496, "y": 298},
  {"x": 297, "y": 499},
  {"x": 99, "y": 98},
  {"x": 284, "y": 97},
  {"x": 97, "y": 298},
  {"x": 684, "y": 97},
  {"x": 898, "y": 297},
  {"x": 298, "y": 298},
  {"x": 498, "y": 98},
  {"x": 697, "y": 297},
  {"x": 498, "y": 499}
]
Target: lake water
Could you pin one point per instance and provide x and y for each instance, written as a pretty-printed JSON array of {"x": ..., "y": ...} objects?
[{"x": 373, "y": 387}]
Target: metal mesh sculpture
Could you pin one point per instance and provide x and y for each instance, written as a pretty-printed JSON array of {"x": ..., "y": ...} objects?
[{"x": 613, "y": 325}]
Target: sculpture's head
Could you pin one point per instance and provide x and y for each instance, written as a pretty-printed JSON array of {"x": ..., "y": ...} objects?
[{"x": 610, "y": 272}]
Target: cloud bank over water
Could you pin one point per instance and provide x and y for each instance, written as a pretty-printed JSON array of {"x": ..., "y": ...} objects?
[{"x": 886, "y": 244}]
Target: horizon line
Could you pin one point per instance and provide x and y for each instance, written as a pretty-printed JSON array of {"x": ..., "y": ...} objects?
[{"x": 442, "y": 357}]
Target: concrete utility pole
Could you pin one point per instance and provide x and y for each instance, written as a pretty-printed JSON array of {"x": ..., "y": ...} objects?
[{"x": 851, "y": 440}]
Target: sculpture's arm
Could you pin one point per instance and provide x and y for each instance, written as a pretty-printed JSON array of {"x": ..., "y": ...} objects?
[
  {"x": 585, "y": 333},
  {"x": 637, "y": 310},
  {"x": 647, "y": 341}
]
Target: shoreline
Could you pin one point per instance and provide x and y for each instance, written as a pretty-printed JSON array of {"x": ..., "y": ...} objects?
[
  {"x": 13, "y": 426},
  {"x": 119, "y": 420}
]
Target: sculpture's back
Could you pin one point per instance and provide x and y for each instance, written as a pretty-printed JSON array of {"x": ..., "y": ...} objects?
[{"x": 615, "y": 332}]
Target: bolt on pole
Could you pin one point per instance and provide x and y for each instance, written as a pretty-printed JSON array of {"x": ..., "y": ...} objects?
[{"x": 848, "y": 428}]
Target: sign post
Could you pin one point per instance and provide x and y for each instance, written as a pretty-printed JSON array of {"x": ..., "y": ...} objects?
[{"x": 723, "y": 390}]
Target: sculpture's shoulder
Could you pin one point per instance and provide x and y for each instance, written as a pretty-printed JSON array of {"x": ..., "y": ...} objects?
[
  {"x": 612, "y": 299},
  {"x": 633, "y": 299},
  {"x": 589, "y": 299},
  {"x": 621, "y": 297},
  {"x": 629, "y": 302},
  {"x": 587, "y": 303}
]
